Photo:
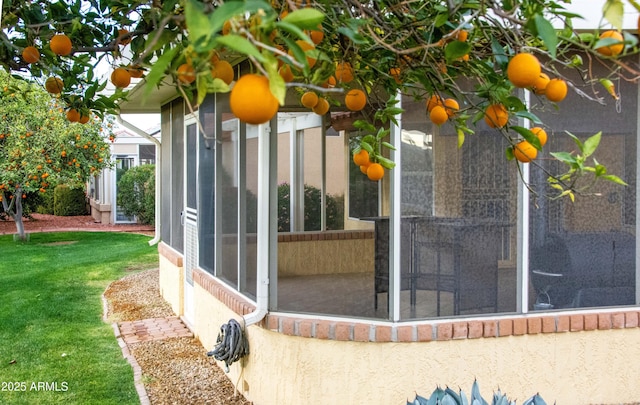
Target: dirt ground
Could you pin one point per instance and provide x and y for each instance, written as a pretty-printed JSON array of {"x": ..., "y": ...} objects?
[{"x": 48, "y": 223}]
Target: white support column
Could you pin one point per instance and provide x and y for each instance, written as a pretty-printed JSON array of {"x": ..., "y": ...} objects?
[{"x": 395, "y": 219}]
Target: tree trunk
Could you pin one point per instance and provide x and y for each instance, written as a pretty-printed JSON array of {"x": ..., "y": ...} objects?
[{"x": 15, "y": 211}]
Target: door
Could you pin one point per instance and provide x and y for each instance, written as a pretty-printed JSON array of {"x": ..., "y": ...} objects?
[
  {"x": 123, "y": 163},
  {"x": 190, "y": 214}
]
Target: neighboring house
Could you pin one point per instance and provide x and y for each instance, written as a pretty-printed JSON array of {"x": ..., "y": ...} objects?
[
  {"x": 128, "y": 150},
  {"x": 447, "y": 270}
]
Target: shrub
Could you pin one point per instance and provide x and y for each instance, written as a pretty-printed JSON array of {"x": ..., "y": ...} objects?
[
  {"x": 43, "y": 203},
  {"x": 69, "y": 201},
  {"x": 312, "y": 209},
  {"x": 448, "y": 396},
  {"x": 137, "y": 193}
]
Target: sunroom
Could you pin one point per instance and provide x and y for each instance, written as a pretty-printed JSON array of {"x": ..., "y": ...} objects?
[{"x": 451, "y": 254}]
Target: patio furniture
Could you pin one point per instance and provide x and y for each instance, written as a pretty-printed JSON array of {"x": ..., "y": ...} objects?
[{"x": 446, "y": 255}]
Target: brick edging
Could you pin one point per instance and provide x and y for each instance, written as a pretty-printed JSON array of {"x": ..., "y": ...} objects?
[
  {"x": 137, "y": 370},
  {"x": 431, "y": 330}
]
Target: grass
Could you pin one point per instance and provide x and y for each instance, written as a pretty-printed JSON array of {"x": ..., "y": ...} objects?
[{"x": 55, "y": 347}]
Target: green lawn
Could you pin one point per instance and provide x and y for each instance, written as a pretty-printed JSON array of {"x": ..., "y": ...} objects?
[{"x": 54, "y": 346}]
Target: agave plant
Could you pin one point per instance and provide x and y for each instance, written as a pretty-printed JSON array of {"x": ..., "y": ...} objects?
[{"x": 448, "y": 396}]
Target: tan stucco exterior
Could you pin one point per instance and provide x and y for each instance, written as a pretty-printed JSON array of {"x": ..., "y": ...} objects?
[{"x": 570, "y": 367}]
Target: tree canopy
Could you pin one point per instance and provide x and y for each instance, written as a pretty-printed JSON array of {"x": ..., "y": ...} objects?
[
  {"x": 351, "y": 54},
  {"x": 39, "y": 148}
]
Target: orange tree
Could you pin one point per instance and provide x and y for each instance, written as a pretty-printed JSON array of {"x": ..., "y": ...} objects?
[
  {"x": 420, "y": 48},
  {"x": 39, "y": 148}
]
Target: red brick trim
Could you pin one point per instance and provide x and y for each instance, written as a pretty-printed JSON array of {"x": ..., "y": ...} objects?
[
  {"x": 170, "y": 254},
  {"x": 232, "y": 299},
  {"x": 362, "y": 331},
  {"x": 325, "y": 235}
]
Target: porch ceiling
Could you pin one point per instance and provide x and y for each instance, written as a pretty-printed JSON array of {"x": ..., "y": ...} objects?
[{"x": 138, "y": 103}]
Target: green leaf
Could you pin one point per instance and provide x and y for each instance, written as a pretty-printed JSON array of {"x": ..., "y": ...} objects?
[
  {"x": 455, "y": 50},
  {"x": 528, "y": 115},
  {"x": 547, "y": 33},
  {"x": 366, "y": 146},
  {"x": 498, "y": 52},
  {"x": 564, "y": 157},
  {"x": 615, "y": 179},
  {"x": 292, "y": 29},
  {"x": 158, "y": 71},
  {"x": 613, "y": 11},
  {"x": 370, "y": 139},
  {"x": 528, "y": 135},
  {"x": 364, "y": 125},
  {"x": 196, "y": 20},
  {"x": 460, "y": 138},
  {"x": 591, "y": 144},
  {"x": 388, "y": 145},
  {"x": 386, "y": 163},
  {"x": 576, "y": 140},
  {"x": 277, "y": 84},
  {"x": 356, "y": 37},
  {"x": 201, "y": 86},
  {"x": 604, "y": 42},
  {"x": 240, "y": 44},
  {"x": 305, "y": 18}
]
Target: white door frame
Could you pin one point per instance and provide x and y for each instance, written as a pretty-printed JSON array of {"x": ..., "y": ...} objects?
[{"x": 190, "y": 223}]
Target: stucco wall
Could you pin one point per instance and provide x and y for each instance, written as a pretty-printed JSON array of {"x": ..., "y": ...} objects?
[
  {"x": 578, "y": 358},
  {"x": 313, "y": 253},
  {"x": 171, "y": 278}
]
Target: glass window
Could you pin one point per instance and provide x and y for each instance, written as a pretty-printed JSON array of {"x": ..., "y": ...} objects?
[
  {"x": 206, "y": 189},
  {"x": 320, "y": 271},
  {"x": 227, "y": 181},
  {"x": 457, "y": 214},
  {"x": 147, "y": 154}
]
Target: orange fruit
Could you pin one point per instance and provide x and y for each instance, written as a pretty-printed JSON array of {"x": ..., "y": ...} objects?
[
  {"x": 286, "y": 73},
  {"x": 344, "y": 72},
  {"x": 309, "y": 99},
  {"x": 54, "y": 85},
  {"x": 226, "y": 27},
  {"x": 462, "y": 35},
  {"x": 30, "y": 54},
  {"x": 60, "y": 44},
  {"x": 330, "y": 83},
  {"x": 541, "y": 83},
  {"x": 496, "y": 116},
  {"x": 73, "y": 115},
  {"x": 222, "y": 70},
  {"x": 186, "y": 73},
  {"x": 135, "y": 71},
  {"x": 121, "y": 33},
  {"x": 355, "y": 100},
  {"x": 305, "y": 46},
  {"x": 375, "y": 171},
  {"x": 451, "y": 106},
  {"x": 120, "y": 77},
  {"x": 395, "y": 72},
  {"x": 523, "y": 70},
  {"x": 438, "y": 115},
  {"x": 541, "y": 134},
  {"x": 83, "y": 119},
  {"x": 251, "y": 99},
  {"x": 364, "y": 168},
  {"x": 322, "y": 107},
  {"x": 361, "y": 158},
  {"x": 524, "y": 152},
  {"x": 433, "y": 101},
  {"x": 611, "y": 50},
  {"x": 556, "y": 90},
  {"x": 317, "y": 35}
]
